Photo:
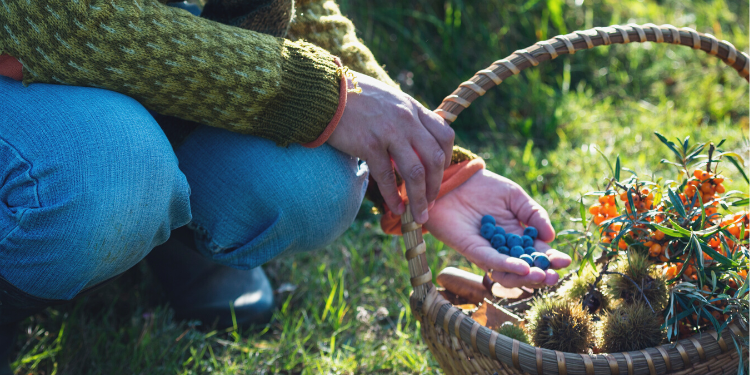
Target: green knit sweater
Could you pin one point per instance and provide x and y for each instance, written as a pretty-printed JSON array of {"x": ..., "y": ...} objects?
[{"x": 176, "y": 64}]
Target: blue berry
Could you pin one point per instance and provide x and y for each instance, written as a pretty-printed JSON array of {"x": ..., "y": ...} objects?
[
  {"x": 497, "y": 241},
  {"x": 542, "y": 262},
  {"x": 504, "y": 250},
  {"x": 488, "y": 219},
  {"x": 536, "y": 254},
  {"x": 513, "y": 240},
  {"x": 527, "y": 241},
  {"x": 516, "y": 251},
  {"x": 487, "y": 230},
  {"x": 528, "y": 259},
  {"x": 529, "y": 250},
  {"x": 499, "y": 230},
  {"x": 531, "y": 232}
]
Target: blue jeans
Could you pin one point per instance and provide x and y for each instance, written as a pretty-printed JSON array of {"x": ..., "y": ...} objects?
[{"x": 89, "y": 184}]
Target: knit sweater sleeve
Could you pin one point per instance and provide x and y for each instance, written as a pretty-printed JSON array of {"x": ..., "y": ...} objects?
[
  {"x": 176, "y": 64},
  {"x": 321, "y": 22}
]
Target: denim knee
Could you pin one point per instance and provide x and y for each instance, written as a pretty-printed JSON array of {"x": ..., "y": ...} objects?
[
  {"x": 253, "y": 201},
  {"x": 90, "y": 185}
]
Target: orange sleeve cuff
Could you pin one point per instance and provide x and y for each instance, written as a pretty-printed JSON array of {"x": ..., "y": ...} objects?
[
  {"x": 336, "y": 116},
  {"x": 453, "y": 177}
]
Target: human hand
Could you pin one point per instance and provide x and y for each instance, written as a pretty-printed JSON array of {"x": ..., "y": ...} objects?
[
  {"x": 383, "y": 126},
  {"x": 455, "y": 219}
]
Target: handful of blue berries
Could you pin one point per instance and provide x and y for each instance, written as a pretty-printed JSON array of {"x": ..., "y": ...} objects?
[{"x": 513, "y": 245}]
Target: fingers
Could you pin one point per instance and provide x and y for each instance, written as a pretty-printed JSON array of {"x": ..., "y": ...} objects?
[
  {"x": 381, "y": 169},
  {"x": 532, "y": 214},
  {"x": 414, "y": 175},
  {"x": 433, "y": 159},
  {"x": 489, "y": 259},
  {"x": 510, "y": 280},
  {"x": 440, "y": 130},
  {"x": 557, "y": 259}
]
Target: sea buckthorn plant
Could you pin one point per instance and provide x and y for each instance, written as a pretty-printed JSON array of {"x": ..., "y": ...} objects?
[{"x": 673, "y": 248}]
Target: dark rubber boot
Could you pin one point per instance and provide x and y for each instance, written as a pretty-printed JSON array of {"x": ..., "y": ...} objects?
[{"x": 200, "y": 289}]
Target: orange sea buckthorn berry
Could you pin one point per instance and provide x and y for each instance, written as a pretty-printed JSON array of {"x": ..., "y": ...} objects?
[
  {"x": 710, "y": 211},
  {"x": 622, "y": 244},
  {"x": 594, "y": 210},
  {"x": 690, "y": 191},
  {"x": 704, "y": 176},
  {"x": 611, "y": 210},
  {"x": 718, "y": 179},
  {"x": 611, "y": 199},
  {"x": 624, "y": 196},
  {"x": 598, "y": 219},
  {"x": 714, "y": 242},
  {"x": 707, "y": 188},
  {"x": 670, "y": 272},
  {"x": 648, "y": 244},
  {"x": 694, "y": 182},
  {"x": 659, "y": 235},
  {"x": 606, "y": 239},
  {"x": 697, "y": 173},
  {"x": 720, "y": 188},
  {"x": 603, "y": 200}
]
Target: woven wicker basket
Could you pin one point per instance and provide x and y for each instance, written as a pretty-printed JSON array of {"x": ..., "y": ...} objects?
[{"x": 463, "y": 346}]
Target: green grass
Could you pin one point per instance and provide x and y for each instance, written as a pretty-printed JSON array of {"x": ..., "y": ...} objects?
[{"x": 349, "y": 312}]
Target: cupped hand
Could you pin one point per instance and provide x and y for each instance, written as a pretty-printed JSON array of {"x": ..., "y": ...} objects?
[
  {"x": 384, "y": 126},
  {"x": 456, "y": 219}
]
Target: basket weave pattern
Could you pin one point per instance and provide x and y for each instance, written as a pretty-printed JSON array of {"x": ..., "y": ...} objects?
[{"x": 463, "y": 346}]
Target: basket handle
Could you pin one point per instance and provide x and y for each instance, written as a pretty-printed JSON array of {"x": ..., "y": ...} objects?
[
  {"x": 483, "y": 80},
  {"x": 488, "y": 78}
]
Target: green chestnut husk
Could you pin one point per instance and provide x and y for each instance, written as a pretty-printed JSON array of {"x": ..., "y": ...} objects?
[
  {"x": 641, "y": 270},
  {"x": 630, "y": 327},
  {"x": 513, "y": 331},
  {"x": 559, "y": 324}
]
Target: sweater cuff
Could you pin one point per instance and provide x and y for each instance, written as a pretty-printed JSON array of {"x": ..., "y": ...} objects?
[
  {"x": 310, "y": 81},
  {"x": 453, "y": 177},
  {"x": 343, "y": 90}
]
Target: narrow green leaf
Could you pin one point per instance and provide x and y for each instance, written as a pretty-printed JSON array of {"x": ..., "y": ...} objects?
[
  {"x": 718, "y": 257},
  {"x": 708, "y": 231},
  {"x": 617, "y": 168},
  {"x": 676, "y": 202},
  {"x": 721, "y": 143},
  {"x": 695, "y": 153},
  {"x": 582, "y": 209},
  {"x": 740, "y": 203},
  {"x": 739, "y": 168},
  {"x": 678, "y": 228},
  {"x": 668, "y": 231},
  {"x": 665, "y": 161},
  {"x": 669, "y": 144},
  {"x": 699, "y": 253},
  {"x": 732, "y": 155},
  {"x": 685, "y": 144}
]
